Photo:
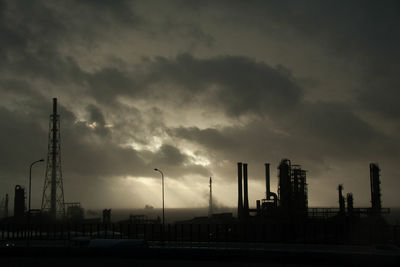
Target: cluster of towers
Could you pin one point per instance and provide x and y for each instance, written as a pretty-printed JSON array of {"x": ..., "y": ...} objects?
[
  {"x": 292, "y": 198},
  {"x": 376, "y": 204}
]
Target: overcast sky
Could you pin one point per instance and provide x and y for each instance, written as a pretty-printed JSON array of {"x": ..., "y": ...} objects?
[{"x": 193, "y": 87}]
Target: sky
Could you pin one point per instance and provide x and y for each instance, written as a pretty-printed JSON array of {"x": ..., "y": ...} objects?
[{"x": 193, "y": 87}]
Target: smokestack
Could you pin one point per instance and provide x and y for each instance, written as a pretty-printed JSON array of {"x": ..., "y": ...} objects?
[
  {"x": 375, "y": 187},
  {"x": 350, "y": 205},
  {"x": 240, "y": 199},
  {"x": 246, "y": 191},
  {"x": 267, "y": 181},
  {"x": 341, "y": 199}
]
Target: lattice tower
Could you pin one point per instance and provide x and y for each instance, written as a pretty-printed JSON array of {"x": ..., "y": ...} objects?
[{"x": 53, "y": 192}]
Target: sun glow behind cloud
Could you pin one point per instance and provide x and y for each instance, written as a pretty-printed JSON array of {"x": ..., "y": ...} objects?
[{"x": 191, "y": 191}]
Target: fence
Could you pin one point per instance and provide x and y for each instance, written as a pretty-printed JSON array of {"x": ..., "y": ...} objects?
[{"x": 326, "y": 233}]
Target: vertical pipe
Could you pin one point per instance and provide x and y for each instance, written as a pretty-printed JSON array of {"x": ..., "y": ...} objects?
[
  {"x": 267, "y": 181},
  {"x": 350, "y": 206},
  {"x": 240, "y": 199},
  {"x": 53, "y": 205},
  {"x": 375, "y": 188},
  {"x": 246, "y": 191},
  {"x": 341, "y": 199}
]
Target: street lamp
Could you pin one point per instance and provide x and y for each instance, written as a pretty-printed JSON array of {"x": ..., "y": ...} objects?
[
  {"x": 163, "y": 212},
  {"x": 30, "y": 183}
]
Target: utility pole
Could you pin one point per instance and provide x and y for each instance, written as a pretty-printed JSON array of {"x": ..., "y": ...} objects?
[{"x": 210, "y": 203}]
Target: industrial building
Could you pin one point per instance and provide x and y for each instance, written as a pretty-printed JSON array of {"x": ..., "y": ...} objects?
[{"x": 291, "y": 201}]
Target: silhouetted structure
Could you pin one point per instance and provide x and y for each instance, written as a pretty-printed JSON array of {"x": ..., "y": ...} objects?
[
  {"x": 107, "y": 216},
  {"x": 300, "y": 194},
  {"x": 283, "y": 220},
  {"x": 292, "y": 202},
  {"x": 243, "y": 204},
  {"x": 376, "y": 204},
  {"x": 341, "y": 200},
  {"x": 240, "y": 192},
  {"x": 75, "y": 212},
  {"x": 19, "y": 202},
  {"x": 245, "y": 192},
  {"x": 6, "y": 207},
  {"x": 350, "y": 204},
  {"x": 143, "y": 219},
  {"x": 270, "y": 203},
  {"x": 53, "y": 192},
  {"x": 210, "y": 203},
  {"x": 293, "y": 193},
  {"x": 285, "y": 185}
]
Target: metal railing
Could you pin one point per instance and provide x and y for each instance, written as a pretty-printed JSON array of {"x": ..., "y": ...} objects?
[{"x": 315, "y": 233}]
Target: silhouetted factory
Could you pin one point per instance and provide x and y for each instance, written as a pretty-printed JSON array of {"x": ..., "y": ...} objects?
[
  {"x": 291, "y": 202},
  {"x": 19, "y": 202}
]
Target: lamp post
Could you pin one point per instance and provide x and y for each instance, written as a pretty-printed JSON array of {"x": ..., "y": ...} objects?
[
  {"x": 29, "y": 205},
  {"x": 30, "y": 183},
  {"x": 163, "y": 211}
]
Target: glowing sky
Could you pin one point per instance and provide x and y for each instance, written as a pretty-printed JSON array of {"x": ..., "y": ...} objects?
[{"x": 192, "y": 87}]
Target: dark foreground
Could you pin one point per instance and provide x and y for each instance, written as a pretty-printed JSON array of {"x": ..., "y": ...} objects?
[{"x": 225, "y": 255}]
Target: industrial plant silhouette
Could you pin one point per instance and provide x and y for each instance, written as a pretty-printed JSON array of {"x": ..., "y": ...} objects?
[{"x": 281, "y": 217}]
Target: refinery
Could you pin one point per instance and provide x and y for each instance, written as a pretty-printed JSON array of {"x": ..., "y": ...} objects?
[{"x": 281, "y": 216}]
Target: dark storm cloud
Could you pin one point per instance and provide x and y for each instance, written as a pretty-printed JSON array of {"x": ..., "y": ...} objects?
[
  {"x": 170, "y": 155},
  {"x": 381, "y": 93},
  {"x": 48, "y": 44},
  {"x": 315, "y": 132},
  {"x": 97, "y": 119},
  {"x": 34, "y": 35},
  {"x": 368, "y": 32},
  {"x": 93, "y": 153},
  {"x": 19, "y": 143},
  {"x": 239, "y": 84},
  {"x": 119, "y": 11},
  {"x": 88, "y": 153},
  {"x": 109, "y": 83}
]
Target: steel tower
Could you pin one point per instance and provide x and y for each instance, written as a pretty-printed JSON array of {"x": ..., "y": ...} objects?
[{"x": 53, "y": 192}]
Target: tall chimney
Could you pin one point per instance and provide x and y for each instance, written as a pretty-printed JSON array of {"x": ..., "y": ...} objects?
[
  {"x": 240, "y": 199},
  {"x": 375, "y": 188},
  {"x": 267, "y": 181},
  {"x": 246, "y": 191},
  {"x": 341, "y": 199},
  {"x": 350, "y": 203}
]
